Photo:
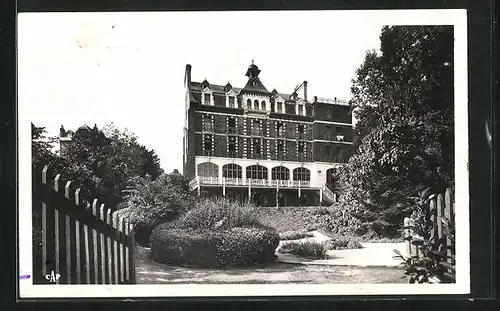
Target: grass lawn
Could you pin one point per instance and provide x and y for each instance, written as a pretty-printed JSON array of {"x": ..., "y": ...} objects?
[{"x": 150, "y": 272}]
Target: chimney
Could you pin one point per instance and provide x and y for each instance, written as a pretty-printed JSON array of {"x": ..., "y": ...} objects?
[
  {"x": 305, "y": 91},
  {"x": 187, "y": 78}
]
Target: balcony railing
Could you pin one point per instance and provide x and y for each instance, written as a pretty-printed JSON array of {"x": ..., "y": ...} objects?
[
  {"x": 275, "y": 183},
  {"x": 232, "y": 130}
]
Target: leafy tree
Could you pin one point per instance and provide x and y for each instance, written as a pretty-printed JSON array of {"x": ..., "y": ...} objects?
[
  {"x": 403, "y": 99},
  {"x": 100, "y": 162},
  {"x": 149, "y": 202}
]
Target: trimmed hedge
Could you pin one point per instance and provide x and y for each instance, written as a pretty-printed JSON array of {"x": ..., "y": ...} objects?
[{"x": 208, "y": 248}]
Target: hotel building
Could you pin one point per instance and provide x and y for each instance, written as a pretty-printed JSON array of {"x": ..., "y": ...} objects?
[{"x": 266, "y": 146}]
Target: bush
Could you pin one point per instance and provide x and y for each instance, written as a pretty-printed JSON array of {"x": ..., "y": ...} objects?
[
  {"x": 206, "y": 248},
  {"x": 217, "y": 213},
  {"x": 295, "y": 235},
  {"x": 307, "y": 249},
  {"x": 432, "y": 262},
  {"x": 342, "y": 242},
  {"x": 149, "y": 203}
]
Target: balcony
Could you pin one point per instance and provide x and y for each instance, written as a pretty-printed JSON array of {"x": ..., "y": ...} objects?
[{"x": 200, "y": 180}]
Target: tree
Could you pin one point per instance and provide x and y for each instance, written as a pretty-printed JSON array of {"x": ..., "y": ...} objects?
[
  {"x": 100, "y": 162},
  {"x": 403, "y": 100},
  {"x": 149, "y": 202},
  {"x": 112, "y": 157}
]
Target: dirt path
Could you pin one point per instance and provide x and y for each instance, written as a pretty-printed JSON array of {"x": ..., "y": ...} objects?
[
  {"x": 150, "y": 272},
  {"x": 371, "y": 255}
]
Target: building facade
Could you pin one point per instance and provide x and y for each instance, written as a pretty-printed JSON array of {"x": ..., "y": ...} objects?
[{"x": 254, "y": 144}]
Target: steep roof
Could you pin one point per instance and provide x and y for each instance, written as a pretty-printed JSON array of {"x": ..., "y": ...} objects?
[{"x": 255, "y": 85}]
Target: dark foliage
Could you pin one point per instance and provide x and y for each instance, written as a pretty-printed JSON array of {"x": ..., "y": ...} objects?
[
  {"x": 433, "y": 259},
  {"x": 403, "y": 99},
  {"x": 213, "y": 248}
]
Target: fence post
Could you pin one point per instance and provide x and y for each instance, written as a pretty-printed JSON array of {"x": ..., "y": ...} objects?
[
  {"x": 72, "y": 235},
  {"x": 60, "y": 227},
  {"x": 115, "y": 248},
  {"x": 122, "y": 251},
  {"x": 109, "y": 249},
  {"x": 95, "y": 239},
  {"x": 83, "y": 255},
  {"x": 406, "y": 223},
  {"x": 449, "y": 213},
  {"x": 132, "y": 253},
  {"x": 102, "y": 243},
  {"x": 127, "y": 252},
  {"x": 433, "y": 214},
  {"x": 439, "y": 222}
]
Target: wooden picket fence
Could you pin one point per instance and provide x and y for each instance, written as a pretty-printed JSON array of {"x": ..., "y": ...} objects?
[
  {"x": 82, "y": 242},
  {"x": 441, "y": 212}
]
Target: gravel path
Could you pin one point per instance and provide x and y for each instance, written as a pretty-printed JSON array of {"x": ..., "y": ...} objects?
[
  {"x": 150, "y": 272},
  {"x": 371, "y": 255}
]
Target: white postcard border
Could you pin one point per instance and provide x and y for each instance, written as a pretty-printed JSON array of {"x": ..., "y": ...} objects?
[{"x": 458, "y": 18}]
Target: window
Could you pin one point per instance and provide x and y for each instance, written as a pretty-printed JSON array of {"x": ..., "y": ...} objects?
[
  {"x": 231, "y": 126},
  {"x": 301, "y": 147},
  {"x": 279, "y": 129},
  {"x": 249, "y": 104},
  {"x": 256, "y": 130},
  {"x": 272, "y": 107},
  {"x": 231, "y": 147},
  {"x": 301, "y": 173},
  {"x": 331, "y": 178},
  {"x": 257, "y": 148},
  {"x": 256, "y": 105},
  {"x": 263, "y": 105},
  {"x": 207, "y": 124},
  {"x": 280, "y": 107},
  {"x": 206, "y": 99},
  {"x": 208, "y": 169},
  {"x": 231, "y": 171},
  {"x": 257, "y": 172},
  {"x": 207, "y": 144},
  {"x": 300, "y": 129},
  {"x": 231, "y": 102},
  {"x": 280, "y": 147},
  {"x": 280, "y": 173},
  {"x": 301, "y": 110}
]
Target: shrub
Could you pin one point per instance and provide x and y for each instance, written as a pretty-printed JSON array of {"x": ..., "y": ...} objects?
[
  {"x": 432, "y": 261},
  {"x": 307, "y": 249},
  {"x": 206, "y": 248},
  {"x": 149, "y": 203},
  {"x": 217, "y": 213},
  {"x": 342, "y": 242},
  {"x": 295, "y": 235}
]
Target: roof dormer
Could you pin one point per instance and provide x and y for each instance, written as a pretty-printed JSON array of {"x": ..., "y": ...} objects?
[
  {"x": 205, "y": 84},
  {"x": 228, "y": 87}
]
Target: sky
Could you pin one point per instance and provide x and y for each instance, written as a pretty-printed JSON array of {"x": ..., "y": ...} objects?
[{"x": 128, "y": 68}]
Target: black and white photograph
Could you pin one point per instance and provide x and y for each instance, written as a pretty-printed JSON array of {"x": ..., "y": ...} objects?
[{"x": 243, "y": 153}]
